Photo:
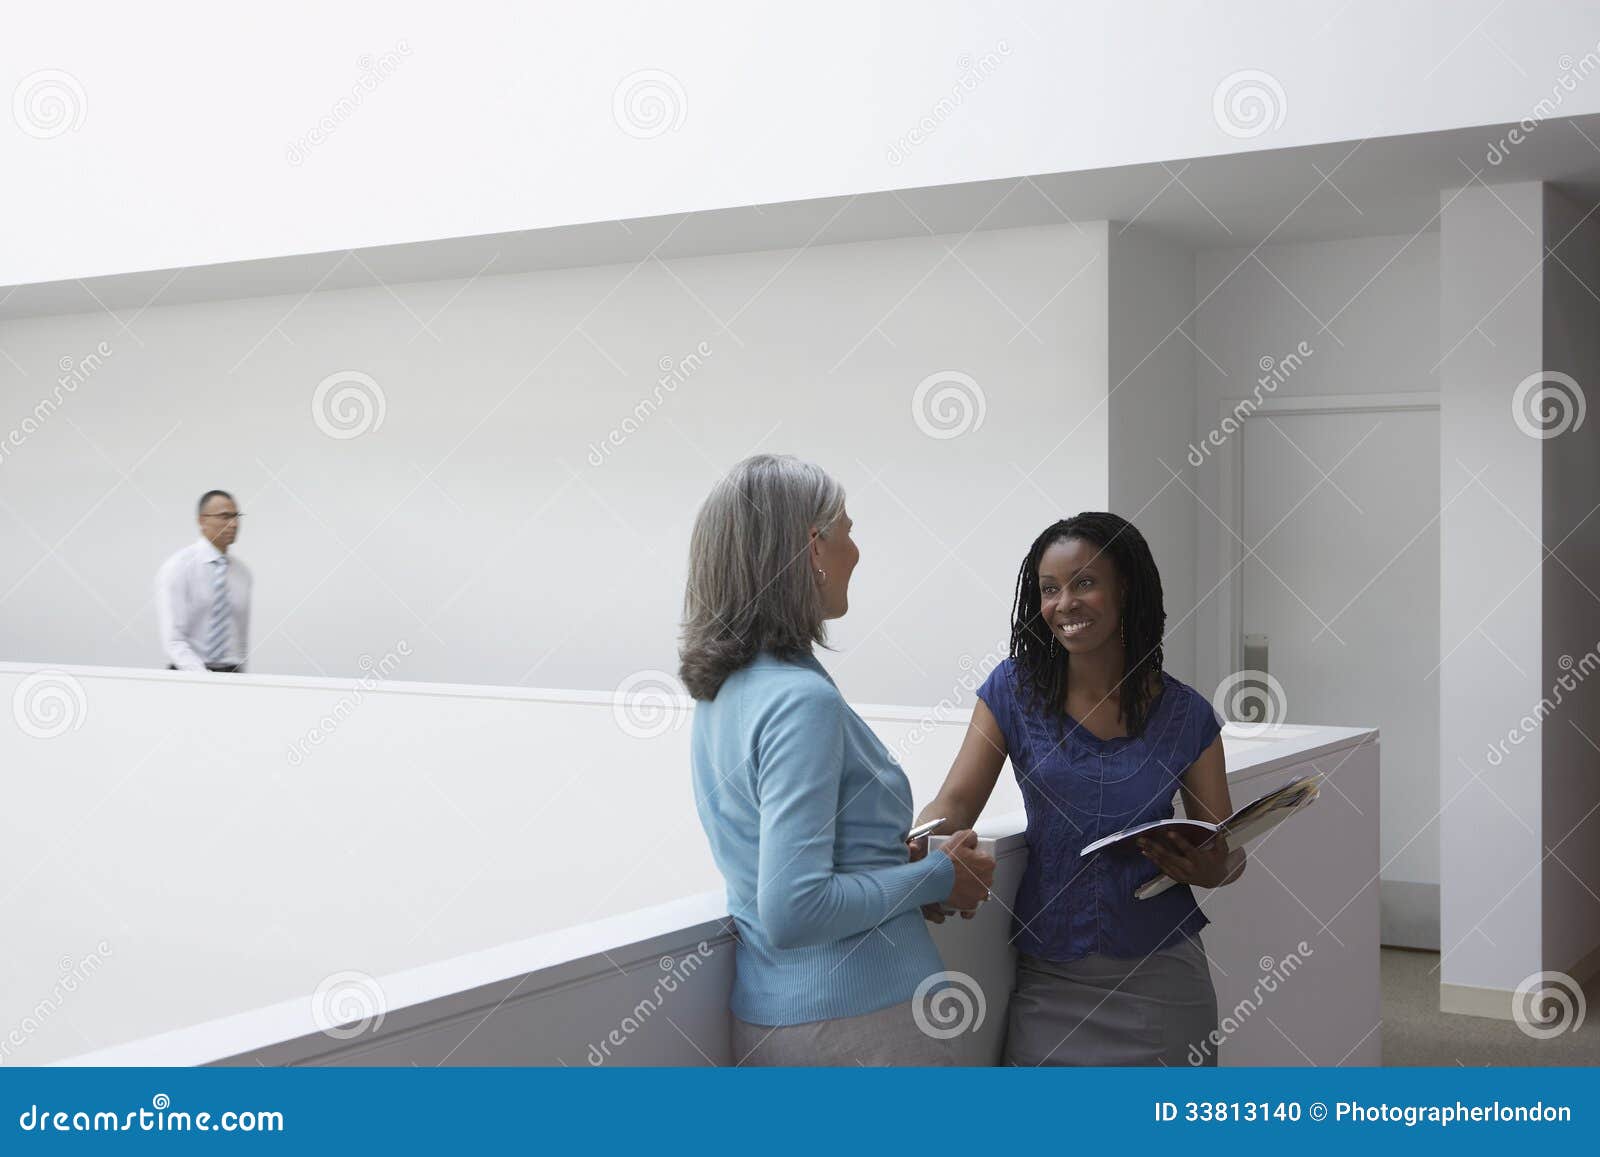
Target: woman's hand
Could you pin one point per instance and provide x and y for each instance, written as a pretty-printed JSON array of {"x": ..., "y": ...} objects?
[
  {"x": 974, "y": 872},
  {"x": 1207, "y": 865}
]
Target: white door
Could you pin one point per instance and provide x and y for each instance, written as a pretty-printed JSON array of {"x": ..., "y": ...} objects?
[{"x": 1342, "y": 507}]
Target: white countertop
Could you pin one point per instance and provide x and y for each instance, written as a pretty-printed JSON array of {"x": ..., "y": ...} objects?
[{"x": 639, "y": 933}]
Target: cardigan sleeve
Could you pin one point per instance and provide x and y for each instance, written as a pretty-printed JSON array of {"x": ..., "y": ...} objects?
[{"x": 802, "y": 900}]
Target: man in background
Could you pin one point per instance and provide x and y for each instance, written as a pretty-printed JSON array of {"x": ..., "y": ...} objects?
[{"x": 203, "y": 594}]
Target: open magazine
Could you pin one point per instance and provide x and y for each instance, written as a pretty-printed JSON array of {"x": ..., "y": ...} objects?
[{"x": 1244, "y": 825}]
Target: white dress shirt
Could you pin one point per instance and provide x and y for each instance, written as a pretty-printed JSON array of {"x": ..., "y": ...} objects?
[{"x": 183, "y": 606}]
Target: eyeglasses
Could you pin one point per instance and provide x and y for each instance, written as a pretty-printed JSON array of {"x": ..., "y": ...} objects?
[{"x": 224, "y": 517}]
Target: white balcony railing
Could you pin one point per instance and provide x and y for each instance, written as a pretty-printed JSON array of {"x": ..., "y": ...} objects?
[{"x": 471, "y": 875}]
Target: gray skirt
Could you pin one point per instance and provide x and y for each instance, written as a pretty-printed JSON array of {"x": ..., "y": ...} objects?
[
  {"x": 889, "y": 1036},
  {"x": 1102, "y": 1010}
]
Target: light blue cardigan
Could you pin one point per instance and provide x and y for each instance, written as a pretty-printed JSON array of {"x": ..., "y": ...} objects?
[{"x": 807, "y": 816}]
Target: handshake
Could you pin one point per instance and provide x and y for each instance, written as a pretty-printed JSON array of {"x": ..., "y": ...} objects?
[{"x": 974, "y": 874}]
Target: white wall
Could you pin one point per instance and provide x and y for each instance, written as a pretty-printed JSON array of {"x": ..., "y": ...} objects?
[
  {"x": 1520, "y": 620},
  {"x": 162, "y": 814},
  {"x": 1491, "y": 613},
  {"x": 1151, "y": 403},
  {"x": 498, "y": 118},
  {"x": 1570, "y": 818},
  {"x": 1384, "y": 292},
  {"x": 471, "y": 523},
  {"x": 510, "y": 1006},
  {"x": 1378, "y": 297},
  {"x": 435, "y": 839}
]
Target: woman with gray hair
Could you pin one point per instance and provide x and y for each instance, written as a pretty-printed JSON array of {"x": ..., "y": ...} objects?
[{"x": 806, "y": 812}]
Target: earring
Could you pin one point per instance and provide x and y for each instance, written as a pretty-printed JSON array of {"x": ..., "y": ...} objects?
[
  {"x": 823, "y": 573},
  {"x": 1124, "y": 632}
]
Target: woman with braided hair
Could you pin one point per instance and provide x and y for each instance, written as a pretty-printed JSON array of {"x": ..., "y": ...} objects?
[{"x": 1101, "y": 738}]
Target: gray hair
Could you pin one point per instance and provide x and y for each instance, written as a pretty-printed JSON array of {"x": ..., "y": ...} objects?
[{"x": 750, "y": 586}]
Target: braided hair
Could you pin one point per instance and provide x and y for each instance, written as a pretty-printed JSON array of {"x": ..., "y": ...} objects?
[{"x": 1038, "y": 657}]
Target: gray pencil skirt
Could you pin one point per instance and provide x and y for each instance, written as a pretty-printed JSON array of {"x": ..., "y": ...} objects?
[
  {"x": 889, "y": 1036},
  {"x": 1103, "y": 1010}
]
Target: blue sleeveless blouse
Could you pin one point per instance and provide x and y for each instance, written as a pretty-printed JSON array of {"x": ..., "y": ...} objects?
[{"x": 1077, "y": 788}]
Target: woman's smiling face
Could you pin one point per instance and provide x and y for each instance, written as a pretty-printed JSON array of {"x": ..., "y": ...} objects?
[
  {"x": 836, "y": 557},
  {"x": 1078, "y": 595}
]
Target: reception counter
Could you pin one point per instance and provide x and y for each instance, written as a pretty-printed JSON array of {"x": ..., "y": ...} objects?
[{"x": 280, "y": 870}]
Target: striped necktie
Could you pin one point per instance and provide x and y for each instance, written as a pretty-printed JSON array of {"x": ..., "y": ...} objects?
[{"x": 217, "y": 631}]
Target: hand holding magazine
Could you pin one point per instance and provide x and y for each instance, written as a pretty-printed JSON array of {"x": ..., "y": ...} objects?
[{"x": 1250, "y": 821}]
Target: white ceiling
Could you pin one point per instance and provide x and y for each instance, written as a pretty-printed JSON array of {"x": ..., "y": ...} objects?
[{"x": 1375, "y": 187}]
